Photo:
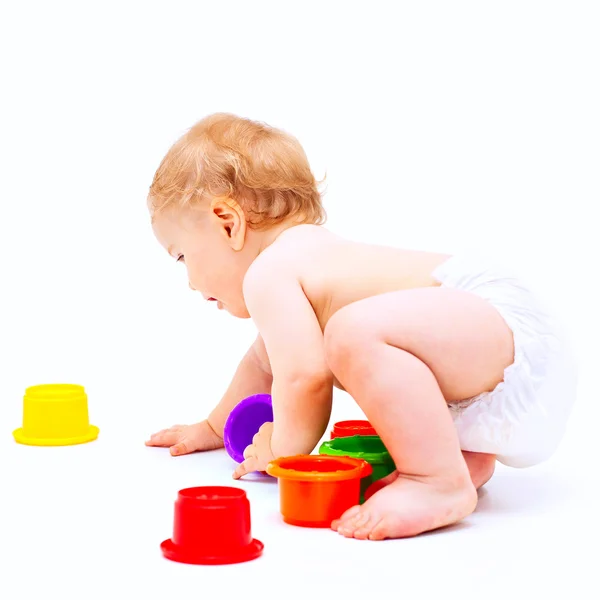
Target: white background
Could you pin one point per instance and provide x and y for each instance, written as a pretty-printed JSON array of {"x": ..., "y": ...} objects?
[{"x": 442, "y": 126}]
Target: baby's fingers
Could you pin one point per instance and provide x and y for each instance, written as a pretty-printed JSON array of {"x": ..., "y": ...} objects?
[
  {"x": 164, "y": 438},
  {"x": 248, "y": 466},
  {"x": 183, "y": 447}
]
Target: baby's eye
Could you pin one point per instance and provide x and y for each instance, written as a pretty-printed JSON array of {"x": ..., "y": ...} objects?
[{"x": 180, "y": 258}]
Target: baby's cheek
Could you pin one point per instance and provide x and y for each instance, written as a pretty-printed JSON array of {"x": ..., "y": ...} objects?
[{"x": 191, "y": 279}]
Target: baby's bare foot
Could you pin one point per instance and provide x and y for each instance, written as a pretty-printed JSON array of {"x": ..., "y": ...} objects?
[
  {"x": 481, "y": 468},
  {"x": 407, "y": 507}
]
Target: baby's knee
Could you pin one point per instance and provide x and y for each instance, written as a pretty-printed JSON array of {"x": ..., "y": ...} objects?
[{"x": 346, "y": 338}]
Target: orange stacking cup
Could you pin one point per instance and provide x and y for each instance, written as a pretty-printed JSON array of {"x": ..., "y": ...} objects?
[{"x": 316, "y": 489}]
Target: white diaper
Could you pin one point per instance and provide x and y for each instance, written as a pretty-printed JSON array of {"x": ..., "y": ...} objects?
[{"x": 523, "y": 420}]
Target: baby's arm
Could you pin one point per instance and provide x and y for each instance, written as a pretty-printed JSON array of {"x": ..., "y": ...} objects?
[
  {"x": 302, "y": 382},
  {"x": 252, "y": 376}
]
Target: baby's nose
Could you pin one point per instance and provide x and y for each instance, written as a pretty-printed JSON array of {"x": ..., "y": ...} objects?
[{"x": 191, "y": 286}]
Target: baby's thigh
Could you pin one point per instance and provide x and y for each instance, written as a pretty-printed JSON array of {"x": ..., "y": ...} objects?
[{"x": 461, "y": 337}]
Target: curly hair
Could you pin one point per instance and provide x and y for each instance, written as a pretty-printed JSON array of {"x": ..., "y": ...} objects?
[{"x": 262, "y": 168}]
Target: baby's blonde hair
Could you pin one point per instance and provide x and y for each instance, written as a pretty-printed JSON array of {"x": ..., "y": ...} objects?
[{"x": 262, "y": 168}]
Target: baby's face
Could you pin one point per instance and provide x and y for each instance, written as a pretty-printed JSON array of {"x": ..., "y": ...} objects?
[{"x": 214, "y": 268}]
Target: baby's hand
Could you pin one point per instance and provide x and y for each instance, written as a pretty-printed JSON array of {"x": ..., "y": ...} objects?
[
  {"x": 258, "y": 455},
  {"x": 185, "y": 439}
]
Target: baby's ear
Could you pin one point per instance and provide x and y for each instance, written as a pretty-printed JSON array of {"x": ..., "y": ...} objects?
[{"x": 231, "y": 220}]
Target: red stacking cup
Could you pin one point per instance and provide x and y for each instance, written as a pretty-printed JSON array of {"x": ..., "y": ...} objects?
[
  {"x": 212, "y": 527},
  {"x": 350, "y": 428}
]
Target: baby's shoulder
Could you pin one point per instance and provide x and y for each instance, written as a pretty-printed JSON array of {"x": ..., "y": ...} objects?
[{"x": 289, "y": 255}]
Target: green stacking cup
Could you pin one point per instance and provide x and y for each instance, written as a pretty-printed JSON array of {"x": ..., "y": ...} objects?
[{"x": 365, "y": 447}]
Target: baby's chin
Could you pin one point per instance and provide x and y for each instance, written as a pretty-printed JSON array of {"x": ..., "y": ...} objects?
[{"x": 240, "y": 312}]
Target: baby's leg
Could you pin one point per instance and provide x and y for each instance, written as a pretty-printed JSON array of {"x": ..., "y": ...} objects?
[
  {"x": 481, "y": 468},
  {"x": 403, "y": 356}
]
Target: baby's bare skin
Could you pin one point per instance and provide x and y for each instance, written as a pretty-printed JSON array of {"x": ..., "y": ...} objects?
[
  {"x": 335, "y": 272},
  {"x": 339, "y": 281},
  {"x": 370, "y": 319},
  {"x": 409, "y": 354},
  {"x": 231, "y": 201}
]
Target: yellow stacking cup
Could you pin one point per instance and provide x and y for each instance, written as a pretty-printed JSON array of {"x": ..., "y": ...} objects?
[{"x": 55, "y": 415}]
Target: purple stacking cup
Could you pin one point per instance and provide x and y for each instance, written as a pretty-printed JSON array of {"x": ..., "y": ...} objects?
[{"x": 243, "y": 424}]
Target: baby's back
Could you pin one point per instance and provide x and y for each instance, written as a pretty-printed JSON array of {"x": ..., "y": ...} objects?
[{"x": 335, "y": 272}]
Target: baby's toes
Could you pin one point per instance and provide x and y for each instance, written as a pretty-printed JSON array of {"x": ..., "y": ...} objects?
[
  {"x": 351, "y": 512},
  {"x": 357, "y": 521},
  {"x": 379, "y": 531},
  {"x": 364, "y": 526}
]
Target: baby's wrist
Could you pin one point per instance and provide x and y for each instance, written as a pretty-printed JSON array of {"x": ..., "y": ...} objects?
[{"x": 214, "y": 429}]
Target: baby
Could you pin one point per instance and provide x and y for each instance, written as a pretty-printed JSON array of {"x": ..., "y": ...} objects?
[{"x": 451, "y": 359}]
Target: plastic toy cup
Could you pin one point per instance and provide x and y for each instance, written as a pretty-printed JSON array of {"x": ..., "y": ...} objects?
[
  {"x": 55, "y": 415},
  {"x": 243, "y": 423},
  {"x": 350, "y": 428},
  {"x": 315, "y": 490},
  {"x": 369, "y": 448},
  {"x": 212, "y": 527}
]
